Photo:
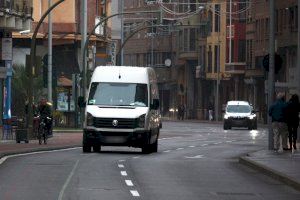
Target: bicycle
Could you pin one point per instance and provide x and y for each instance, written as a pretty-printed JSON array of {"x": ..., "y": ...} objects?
[{"x": 43, "y": 130}]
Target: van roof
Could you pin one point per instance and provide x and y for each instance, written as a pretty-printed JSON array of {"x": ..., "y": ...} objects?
[
  {"x": 122, "y": 74},
  {"x": 238, "y": 103}
]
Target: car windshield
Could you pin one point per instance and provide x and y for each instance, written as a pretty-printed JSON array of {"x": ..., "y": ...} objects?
[
  {"x": 238, "y": 109},
  {"x": 118, "y": 94}
]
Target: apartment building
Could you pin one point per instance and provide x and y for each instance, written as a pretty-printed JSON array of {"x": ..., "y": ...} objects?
[
  {"x": 66, "y": 49},
  {"x": 257, "y": 36},
  {"x": 151, "y": 42}
]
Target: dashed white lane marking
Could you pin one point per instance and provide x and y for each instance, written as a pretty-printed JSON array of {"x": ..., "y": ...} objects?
[
  {"x": 121, "y": 160},
  {"x": 179, "y": 149},
  {"x": 192, "y": 146},
  {"x": 134, "y": 193},
  {"x": 61, "y": 194},
  {"x": 123, "y": 173},
  {"x": 136, "y": 157},
  {"x": 129, "y": 183},
  {"x": 170, "y": 138},
  {"x": 217, "y": 142},
  {"x": 167, "y": 151},
  {"x": 120, "y": 166},
  {"x": 195, "y": 157}
]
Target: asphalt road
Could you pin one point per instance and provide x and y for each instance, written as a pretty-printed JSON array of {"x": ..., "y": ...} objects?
[{"x": 195, "y": 161}]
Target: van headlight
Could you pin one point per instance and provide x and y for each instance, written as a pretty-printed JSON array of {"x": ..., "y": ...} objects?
[
  {"x": 89, "y": 119},
  {"x": 141, "y": 121}
]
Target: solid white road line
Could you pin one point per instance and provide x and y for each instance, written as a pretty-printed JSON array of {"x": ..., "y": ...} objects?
[
  {"x": 61, "y": 194},
  {"x": 123, "y": 173},
  {"x": 3, "y": 159},
  {"x": 134, "y": 193},
  {"x": 129, "y": 183}
]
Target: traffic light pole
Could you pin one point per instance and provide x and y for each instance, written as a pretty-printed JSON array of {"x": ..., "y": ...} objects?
[{"x": 271, "y": 70}]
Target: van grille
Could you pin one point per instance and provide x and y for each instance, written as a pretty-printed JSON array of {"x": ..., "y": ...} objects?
[{"x": 108, "y": 123}]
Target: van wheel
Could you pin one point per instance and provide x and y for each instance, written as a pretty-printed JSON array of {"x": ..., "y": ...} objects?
[
  {"x": 96, "y": 148},
  {"x": 146, "y": 149},
  {"x": 86, "y": 148},
  {"x": 154, "y": 146}
]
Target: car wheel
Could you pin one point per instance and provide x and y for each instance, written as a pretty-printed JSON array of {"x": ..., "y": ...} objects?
[
  {"x": 86, "y": 148},
  {"x": 225, "y": 127}
]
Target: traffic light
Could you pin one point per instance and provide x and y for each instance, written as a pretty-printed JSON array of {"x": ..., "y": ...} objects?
[{"x": 278, "y": 62}]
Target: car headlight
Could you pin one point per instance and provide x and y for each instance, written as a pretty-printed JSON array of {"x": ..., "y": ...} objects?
[
  {"x": 89, "y": 119},
  {"x": 141, "y": 121},
  {"x": 251, "y": 116},
  {"x": 226, "y": 116}
]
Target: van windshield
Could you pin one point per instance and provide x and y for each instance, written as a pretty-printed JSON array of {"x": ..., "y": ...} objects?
[
  {"x": 238, "y": 109},
  {"x": 118, "y": 94}
]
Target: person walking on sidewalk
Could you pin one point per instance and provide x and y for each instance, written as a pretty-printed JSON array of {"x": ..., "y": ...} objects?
[
  {"x": 293, "y": 110},
  {"x": 277, "y": 112}
]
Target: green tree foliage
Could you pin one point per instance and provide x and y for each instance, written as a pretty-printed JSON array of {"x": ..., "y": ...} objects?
[{"x": 20, "y": 82}]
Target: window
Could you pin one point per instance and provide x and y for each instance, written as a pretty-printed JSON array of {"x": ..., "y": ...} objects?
[
  {"x": 217, "y": 18},
  {"x": 185, "y": 40},
  {"x": 209, "y": 57},
  {"x": 192, "y": 39},
  {"x": 242, "y": 51}
]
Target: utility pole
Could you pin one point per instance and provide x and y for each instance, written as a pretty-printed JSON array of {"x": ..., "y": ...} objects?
[
  {"x": 50, "y": 54},
  {"x": 230, "y": 30},
  {"x": 271, "y": 70},
  {"x": 218, "y": 70},
  {"x": 122, "y": 33},
  {"x": 298, "y": 50},
  {"x": 83, "y": 52}
]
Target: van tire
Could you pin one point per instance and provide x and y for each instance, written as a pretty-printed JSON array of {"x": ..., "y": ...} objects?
[
  {"x": 97, "y": 148},
  {"x": 154, "y": 146},
  {"x": 146, "y": 149},
  {"x": 86, "y": 148}
]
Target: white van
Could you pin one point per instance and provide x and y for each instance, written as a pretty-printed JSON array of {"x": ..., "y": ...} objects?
[{"x": 122, "y": 109}]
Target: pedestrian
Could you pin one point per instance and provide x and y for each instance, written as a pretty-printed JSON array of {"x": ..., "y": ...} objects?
[
  {"x": 210, "y": 111},
  {"x": 293, "y": 109},
  {"x": 181, "y": 111},
  {"x": 277, "y": 112}
]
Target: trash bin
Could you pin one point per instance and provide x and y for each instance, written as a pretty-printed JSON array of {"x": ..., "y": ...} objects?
[{"x": 21, "y": 135}]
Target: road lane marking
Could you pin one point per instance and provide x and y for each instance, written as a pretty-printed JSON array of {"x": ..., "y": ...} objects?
[
  {"x": 170, "y": 138},
  {"x": 203, "y": 145},
  {"x": 135, "y": 193},
  {"x": 167, "y": 151},
  {"x": 136, "y": 157},
  {"x": 3, "y": 159},
  {"x": 129, "y": 183},
  {"x": 192, "y": 146},
  {"x": 195, "y": 157},
  {"x": 121, "y": 160},
  {"x": 61, "y": 194},
  {"x": 120, "y": 166},
  {"x": 123, "y": 173},
  {"x": 179, "y": 149},
  {"x": 229, "y": 141}
]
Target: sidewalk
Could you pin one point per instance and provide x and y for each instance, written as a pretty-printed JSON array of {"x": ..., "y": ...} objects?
[
  {"x": 60, "y": 140},
  {"x": 284, "y": 167}
]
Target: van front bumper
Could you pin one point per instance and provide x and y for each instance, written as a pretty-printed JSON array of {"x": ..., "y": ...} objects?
[{"x": 134, "y": 138}]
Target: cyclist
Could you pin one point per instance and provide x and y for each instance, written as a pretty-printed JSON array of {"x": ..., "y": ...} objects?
[{"x": 45, "y": 112}]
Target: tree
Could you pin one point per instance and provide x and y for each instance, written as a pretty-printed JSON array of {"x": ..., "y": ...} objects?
[{"x": 20, "y": 82}]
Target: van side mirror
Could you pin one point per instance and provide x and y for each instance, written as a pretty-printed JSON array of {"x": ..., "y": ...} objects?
[
  {"x": 80, "y": 102},
  {"x": 155, "y": 104}
]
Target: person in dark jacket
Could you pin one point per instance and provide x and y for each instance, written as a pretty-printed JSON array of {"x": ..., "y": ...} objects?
[
  {"x": 292, "y": 113},
  {"x": 279, "y": 122}
]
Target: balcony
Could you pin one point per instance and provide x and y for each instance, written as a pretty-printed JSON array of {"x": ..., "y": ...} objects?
[
  {"x": 235, "y": 68},
  {"x": 254, "y": 73},
  {"x": 15, "y": 15}
]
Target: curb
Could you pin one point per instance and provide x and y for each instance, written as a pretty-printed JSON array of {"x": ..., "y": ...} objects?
[
  {"x": 270, "y": 172},
  {"x": 37, "y": 150}
]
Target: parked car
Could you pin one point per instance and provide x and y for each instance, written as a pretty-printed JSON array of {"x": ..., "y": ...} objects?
[{"x": 239, "y": 114}]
